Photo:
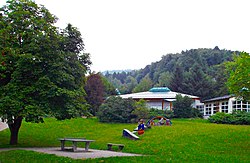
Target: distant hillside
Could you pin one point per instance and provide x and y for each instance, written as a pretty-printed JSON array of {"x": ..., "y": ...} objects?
[
  {"x": 199, "y": 72},
  {"x": 115, "y": 71}
]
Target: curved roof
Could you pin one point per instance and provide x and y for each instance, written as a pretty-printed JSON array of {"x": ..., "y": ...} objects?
[{"x": 155, "y": 95}]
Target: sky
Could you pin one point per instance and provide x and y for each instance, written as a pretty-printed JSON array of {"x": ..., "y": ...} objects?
[{"x": 130, "y": 34}]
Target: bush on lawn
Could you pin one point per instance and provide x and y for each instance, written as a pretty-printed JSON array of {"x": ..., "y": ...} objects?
[
  {"x": 116, "y": 109},
  {"x": 237, "y": 118},
  {"x": 141, "y": 111},
  {"x": 156, "y": 112}
]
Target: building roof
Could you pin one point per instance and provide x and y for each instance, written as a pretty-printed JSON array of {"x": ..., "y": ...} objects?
[
  {"x": 156, "y": 95},
  {"x": 219, "y": 98}
]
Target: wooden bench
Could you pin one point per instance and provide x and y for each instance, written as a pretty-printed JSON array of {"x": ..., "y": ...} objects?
[
  {"x": 120, "y": 146},
  {"x": 74, "y": 143}
]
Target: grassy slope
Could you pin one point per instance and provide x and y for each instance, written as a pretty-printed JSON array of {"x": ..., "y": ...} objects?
[{"x": 185, "y": 141}]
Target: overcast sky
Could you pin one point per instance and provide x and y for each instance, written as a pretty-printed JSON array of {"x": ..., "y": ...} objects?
[{"x": 130, "y": 34}]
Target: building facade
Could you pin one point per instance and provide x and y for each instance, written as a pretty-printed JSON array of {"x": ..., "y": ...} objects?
[
  {"x": 226, "y": 104},
  {"x": 160, "y": 98}
]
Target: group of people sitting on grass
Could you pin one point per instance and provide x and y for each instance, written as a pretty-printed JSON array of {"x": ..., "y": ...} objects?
[{"x": 141, "y": 127}]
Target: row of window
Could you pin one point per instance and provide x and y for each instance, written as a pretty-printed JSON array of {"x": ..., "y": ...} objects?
[
  {"x": 240, "y": 105},
  {"x": 212, "y": 108}
]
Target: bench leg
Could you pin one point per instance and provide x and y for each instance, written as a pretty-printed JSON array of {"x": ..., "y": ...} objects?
[
  {"x": 87, "y": 146},
  {"x": 110, "y": 147},
  {"x": 62, "y": 144},
  {"x": 121, "y": 147},
  {"x": 74, "y": 146}
]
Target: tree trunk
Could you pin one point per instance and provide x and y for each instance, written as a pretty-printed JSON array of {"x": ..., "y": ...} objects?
[{"x": 14, "y": 128}]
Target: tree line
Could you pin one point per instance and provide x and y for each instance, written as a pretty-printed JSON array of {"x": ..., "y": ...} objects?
[{"x": 199, "y": 72}]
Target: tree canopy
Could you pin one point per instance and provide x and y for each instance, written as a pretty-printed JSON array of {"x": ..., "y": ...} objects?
[
  {"x": 182, "y": 72},
  {"x": 42, "y": 69},
  {"x": 239, "y": 80},
  {"x": 95, "y": 92}
]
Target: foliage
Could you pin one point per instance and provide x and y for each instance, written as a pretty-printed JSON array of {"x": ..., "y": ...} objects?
[
  {"x": 177, "y": 80},
  {"x": 220, "y": 78},
  {"x": 239, "y": 80},
  {"x": 198, "y": 82},
  {"x": 165, "y": 113},
  {"x": 187, "y": 140},
  {"x": 237, "y": 118},
  {"x": 182, "y": 107},
  {"x": 109, "y": 89},
  {"x": 196, "y": 113},
  {"x": 164, "y": 79},
  {"x": 144, "y": 85},
  {"x": 141, "y": 111},
  {"x": 95, "y": 92},
  {"x": 116, "y": 109},
  {"x": 39, "y": 75},
  {"x": 177, "y": 70}
]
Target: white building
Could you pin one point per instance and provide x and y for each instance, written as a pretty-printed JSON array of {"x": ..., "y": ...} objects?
[
  {"x": 226, "y": 104},
  {"x": 160, "y": 98}
]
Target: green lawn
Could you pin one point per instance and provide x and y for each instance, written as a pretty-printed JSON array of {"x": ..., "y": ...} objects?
[{"x": 185, "y": 141}]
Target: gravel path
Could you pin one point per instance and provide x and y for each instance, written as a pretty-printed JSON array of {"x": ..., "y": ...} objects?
[{"x": 92, "y": 153}]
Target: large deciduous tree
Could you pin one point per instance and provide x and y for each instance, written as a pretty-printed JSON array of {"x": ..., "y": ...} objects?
[
  {"x": 42, "y": 70},
  {"x": 239, "y": 80}
]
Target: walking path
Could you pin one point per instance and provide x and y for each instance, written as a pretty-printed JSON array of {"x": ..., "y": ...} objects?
[{"x": 92, "y": 153}]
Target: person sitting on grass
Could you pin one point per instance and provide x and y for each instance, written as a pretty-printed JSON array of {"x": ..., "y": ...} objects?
[
  {"x": 141, "y": 127},
  {"x": 168, "y": 122}
]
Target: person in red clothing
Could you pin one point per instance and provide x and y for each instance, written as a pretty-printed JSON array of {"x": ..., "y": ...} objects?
[{"x": 141, "y": 127}]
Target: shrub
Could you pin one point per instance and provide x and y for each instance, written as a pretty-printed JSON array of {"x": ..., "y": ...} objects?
[
  {"x": 238, "y": 117},
  {"x": 242, "y": 117},
  {"x": 116, "y": 109},
  {"x": 182, "y": 107},
  {"x": 195, "y": 113},
  {"x": 139, "y": 113},
  {"x": 156, "y": 112}
]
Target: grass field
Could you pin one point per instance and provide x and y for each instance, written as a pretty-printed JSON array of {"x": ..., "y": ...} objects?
[{"x": 185, "y": 141}]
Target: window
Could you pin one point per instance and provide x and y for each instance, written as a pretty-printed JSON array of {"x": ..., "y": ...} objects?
[
  {"x": 208, "y": 109},
  {"x": 215, "y": 108},
  {"x": 241, "y": 106},
  {"x": 224, "y": 107},
  {"x": 200, "y": 108},
  {"x": 237, "y": 105}
]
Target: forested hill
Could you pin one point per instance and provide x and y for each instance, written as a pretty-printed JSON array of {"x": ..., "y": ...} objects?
[{"x": 199, "y": 72}]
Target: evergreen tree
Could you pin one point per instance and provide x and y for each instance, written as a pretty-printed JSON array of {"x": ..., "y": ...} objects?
[
  {"x": 198, "y": 83},
  {"x": 182, "y": 107},
  {"x": 177, "y": 80}
]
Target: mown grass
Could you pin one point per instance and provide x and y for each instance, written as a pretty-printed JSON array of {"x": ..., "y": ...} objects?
[{"x": 186, "y": 141}]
